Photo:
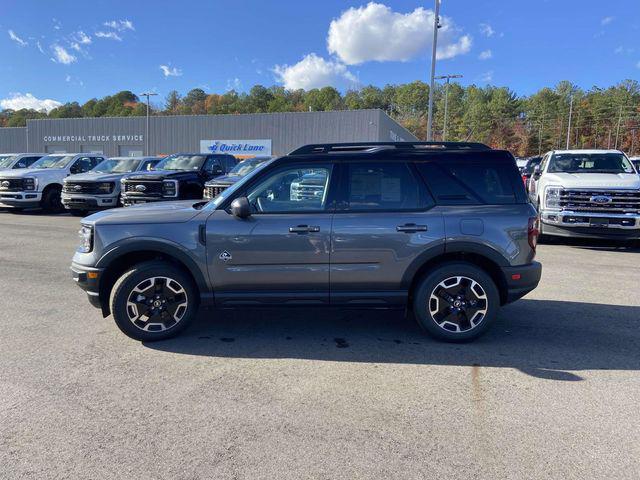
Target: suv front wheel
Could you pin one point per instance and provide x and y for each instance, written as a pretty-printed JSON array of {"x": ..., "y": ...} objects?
[
  {"x": 154, "y": 301},
  {"x": 456, "y": 302}
]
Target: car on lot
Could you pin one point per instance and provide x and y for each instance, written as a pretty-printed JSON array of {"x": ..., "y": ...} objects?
[
  {"x": 11, "y": 161},
  {"x": 99, "y": 188},
  {"x": 215, "y": 187},
  {"x": 444, "y": 229},
  {"x": 177, "y": 177},
  {"x": 588, "y": 194},
  {"x": 528, "y": 169},
  {"x": 40, "y": 185}
]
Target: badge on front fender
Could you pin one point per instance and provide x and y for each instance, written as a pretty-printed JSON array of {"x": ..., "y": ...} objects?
[{"x": 225, "y": 256}]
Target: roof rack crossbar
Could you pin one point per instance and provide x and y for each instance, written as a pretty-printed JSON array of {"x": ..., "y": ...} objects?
[{"x": 375, "y": 146}]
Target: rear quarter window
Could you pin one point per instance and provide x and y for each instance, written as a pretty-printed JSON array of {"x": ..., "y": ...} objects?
[{"x": 470, "y": 183}]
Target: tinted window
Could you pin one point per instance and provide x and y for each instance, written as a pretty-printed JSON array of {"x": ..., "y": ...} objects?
[
  {"x": 82, "y": 165},
  {"x": 291, "y": 190},
  {"x": 446, "y": 189},
  {"x": 148, "y": 165},
  {"x": 181, "y": 162},
  {"x": 383, "y": 187},
  {"x": 491, "y": 183}
]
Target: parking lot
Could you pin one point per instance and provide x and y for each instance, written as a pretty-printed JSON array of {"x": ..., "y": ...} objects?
[{"x": 550, "y": 392}]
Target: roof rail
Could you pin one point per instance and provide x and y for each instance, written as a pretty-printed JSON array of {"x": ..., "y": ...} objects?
[{"x": 366, "y": 147}]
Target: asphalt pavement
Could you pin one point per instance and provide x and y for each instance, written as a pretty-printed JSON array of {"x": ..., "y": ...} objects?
[{"x": 550, "y": 392}]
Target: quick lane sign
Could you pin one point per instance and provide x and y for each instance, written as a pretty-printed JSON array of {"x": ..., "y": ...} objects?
[{"x": 241, "y": 148}]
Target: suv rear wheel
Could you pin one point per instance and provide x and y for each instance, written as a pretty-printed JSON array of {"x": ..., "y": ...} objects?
[
  {"x": 153, "y": 301},
  {"x": 456, "y": 302}
]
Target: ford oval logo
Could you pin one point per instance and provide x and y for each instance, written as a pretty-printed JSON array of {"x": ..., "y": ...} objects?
[
  {"x": 5, "y": 184},
  {"x": 601, "y": 199},
  {"x": 77, "y": 188},
  {"x": 140, "y": 188}
]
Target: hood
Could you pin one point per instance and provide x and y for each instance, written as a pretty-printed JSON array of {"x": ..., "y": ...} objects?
[
  {"x": 163, "y": 175},
  {"x": 224, "y": 180},
  {"x": 609, "y": 181},
  {"x": 34, "y": 172},
  {"x": 96, "y": 177},
  {"x": 158, "y": 212}
]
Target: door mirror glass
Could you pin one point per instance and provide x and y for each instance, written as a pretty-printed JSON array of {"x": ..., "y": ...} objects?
[{"x": 240, "y": 207}]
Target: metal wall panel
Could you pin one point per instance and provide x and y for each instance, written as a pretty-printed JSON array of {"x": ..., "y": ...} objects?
[
  {"x": 170, "y": 134},
  {"x": 14, "y": 140}
]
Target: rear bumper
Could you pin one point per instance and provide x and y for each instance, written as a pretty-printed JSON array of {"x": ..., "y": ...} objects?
[
  {"x": 521, "y": 280},
  {"x": 88, "y": 202},
  {"x": 28, "y": 199},
  {"x": 88, "y": 279}
]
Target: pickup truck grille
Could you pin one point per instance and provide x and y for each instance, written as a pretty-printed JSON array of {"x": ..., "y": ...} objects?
[
  {"x": 212, "y": 191},
  {"x": 80, "y": 187},
  {"x": 11, "y": 185},
  {"x": 151, "y": 187},
  {"x": 601, "y": 201},
  {"x": 306, "y": 191}
]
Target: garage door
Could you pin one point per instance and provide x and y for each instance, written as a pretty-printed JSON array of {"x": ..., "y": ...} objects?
[{"x": 130, "y": 151}]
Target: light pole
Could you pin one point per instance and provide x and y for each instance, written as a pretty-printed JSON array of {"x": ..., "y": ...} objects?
[
  {"x": 146, "y": 136},
  {"x": 436, "y": 26},
  {"x": 446, "y": 101}
]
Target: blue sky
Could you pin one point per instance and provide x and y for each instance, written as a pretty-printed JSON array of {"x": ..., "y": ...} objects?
[{"x": 75, "y": 50}]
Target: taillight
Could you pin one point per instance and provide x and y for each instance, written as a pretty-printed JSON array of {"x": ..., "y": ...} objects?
[
  {"x": 524, "y": 179},
  {"x": 533, "y": 232}
]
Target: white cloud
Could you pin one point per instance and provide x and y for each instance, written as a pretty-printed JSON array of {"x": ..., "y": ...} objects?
[
  {"x": 109, "y": 35},
  {"x": 67, "y": 78},
  {"x": 485, "y": 55},
  {"x": 168, "y": 71},
  {"x": 39, "y": 45},
  {"x": 17, "y": 101},
  {"x": 376, "y": 32},
  {"x": 606, "y": 20},
  {"x": 17, "y": 39},
  {"x": 234, "y": 84},
  {"x": 487, "y": 30},
  {"x": 638, "y": 64},
  {"x": 61, "y": 55},
  {"x": 314, "y": 72},
  {"x": 487, "y": 77},
  {"x": 82, "y": 38},
  {"x": 120, "y": 25}
]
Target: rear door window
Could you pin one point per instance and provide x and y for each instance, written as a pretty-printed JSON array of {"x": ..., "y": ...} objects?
[{"x": 383, "y": 186}]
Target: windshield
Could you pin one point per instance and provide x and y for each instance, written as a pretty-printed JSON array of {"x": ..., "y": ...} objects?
[
  {"x": 244, "y": 167},
  {"x": 53, "y": 161},
  {"x": 6, "y": 160},
  {"x": 182, "y": 162},
  {"x": 590, "y": 163},
  {"x": 113, "y": 165}
]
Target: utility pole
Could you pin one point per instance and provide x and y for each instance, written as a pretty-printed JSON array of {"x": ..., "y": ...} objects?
[
  {"x": 569, "y": 125},
  {"x": 446, "y": 101},
  {"x": 618, "y": 127},
  {"x": 436, "y": 26},
  {"x": 146, "y": 136},
  {"x": 540, "y": 137}
]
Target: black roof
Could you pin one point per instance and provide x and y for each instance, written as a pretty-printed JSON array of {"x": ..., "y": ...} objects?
[{"x": 373, "y": 147}]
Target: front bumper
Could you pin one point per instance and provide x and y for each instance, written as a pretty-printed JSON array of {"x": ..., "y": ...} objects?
[
  {"x": 128, "y": 200},
  {"x": 88, "y": 202},
  {"x": 521, "y": 280},
  {"x": 26, "y": 199},
  {"x": 88, "y": 279},
  {"x": 567, "y": 223}
]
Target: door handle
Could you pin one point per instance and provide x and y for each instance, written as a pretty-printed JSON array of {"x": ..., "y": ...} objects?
[
  {"x": 304, "y": 229},
  {"x": 411, "y": 228}
]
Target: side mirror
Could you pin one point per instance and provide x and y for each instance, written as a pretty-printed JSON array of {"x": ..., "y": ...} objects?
[
  {"x": 240, "y": 208},
  {"x": 537, "y": 171}
]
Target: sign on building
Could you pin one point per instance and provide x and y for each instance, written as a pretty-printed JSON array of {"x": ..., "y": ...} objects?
[{"x": 238, "y": 148}]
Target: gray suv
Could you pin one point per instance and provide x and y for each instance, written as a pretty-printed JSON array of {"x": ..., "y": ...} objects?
[{"x": 444, "y": 229}]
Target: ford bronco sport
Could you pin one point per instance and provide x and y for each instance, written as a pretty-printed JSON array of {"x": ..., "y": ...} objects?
[{"x": 445, "y": 229}]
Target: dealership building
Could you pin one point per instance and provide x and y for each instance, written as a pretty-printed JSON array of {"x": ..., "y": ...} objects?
[{"x": 240, "y": 135}]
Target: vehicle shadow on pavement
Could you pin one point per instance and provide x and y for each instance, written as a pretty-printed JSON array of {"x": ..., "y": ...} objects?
[{"x": 551, "y": 340}]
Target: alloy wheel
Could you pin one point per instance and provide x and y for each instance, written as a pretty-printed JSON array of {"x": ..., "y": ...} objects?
[
  {"x": 157, "y": 304},
  {"x": 458, "y": 304}
]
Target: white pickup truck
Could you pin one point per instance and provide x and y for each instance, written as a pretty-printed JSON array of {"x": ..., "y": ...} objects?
[
  {"x": 40, "y": 185},
  {"x": 588, "y": 194}
]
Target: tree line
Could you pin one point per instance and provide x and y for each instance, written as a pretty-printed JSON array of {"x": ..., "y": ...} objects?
[{"x": 525, "y": 125}]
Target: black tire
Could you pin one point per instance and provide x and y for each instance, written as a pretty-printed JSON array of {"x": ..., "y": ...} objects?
[
  {"x": 78, "y": 213},
  {"x": 123, "y": 291},
  {"x": 51, "y": 201},
  {"x": 456, "y": 326}
]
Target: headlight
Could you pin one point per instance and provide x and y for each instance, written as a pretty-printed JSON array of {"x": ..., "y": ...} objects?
[
  {"x": 106, "y": 187},
  {"x": 30, "y": 183},
  {"x": 86, "y": 239},
  {"x": 552, "y": 197},
  {"x": 170, "y": 188}
]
